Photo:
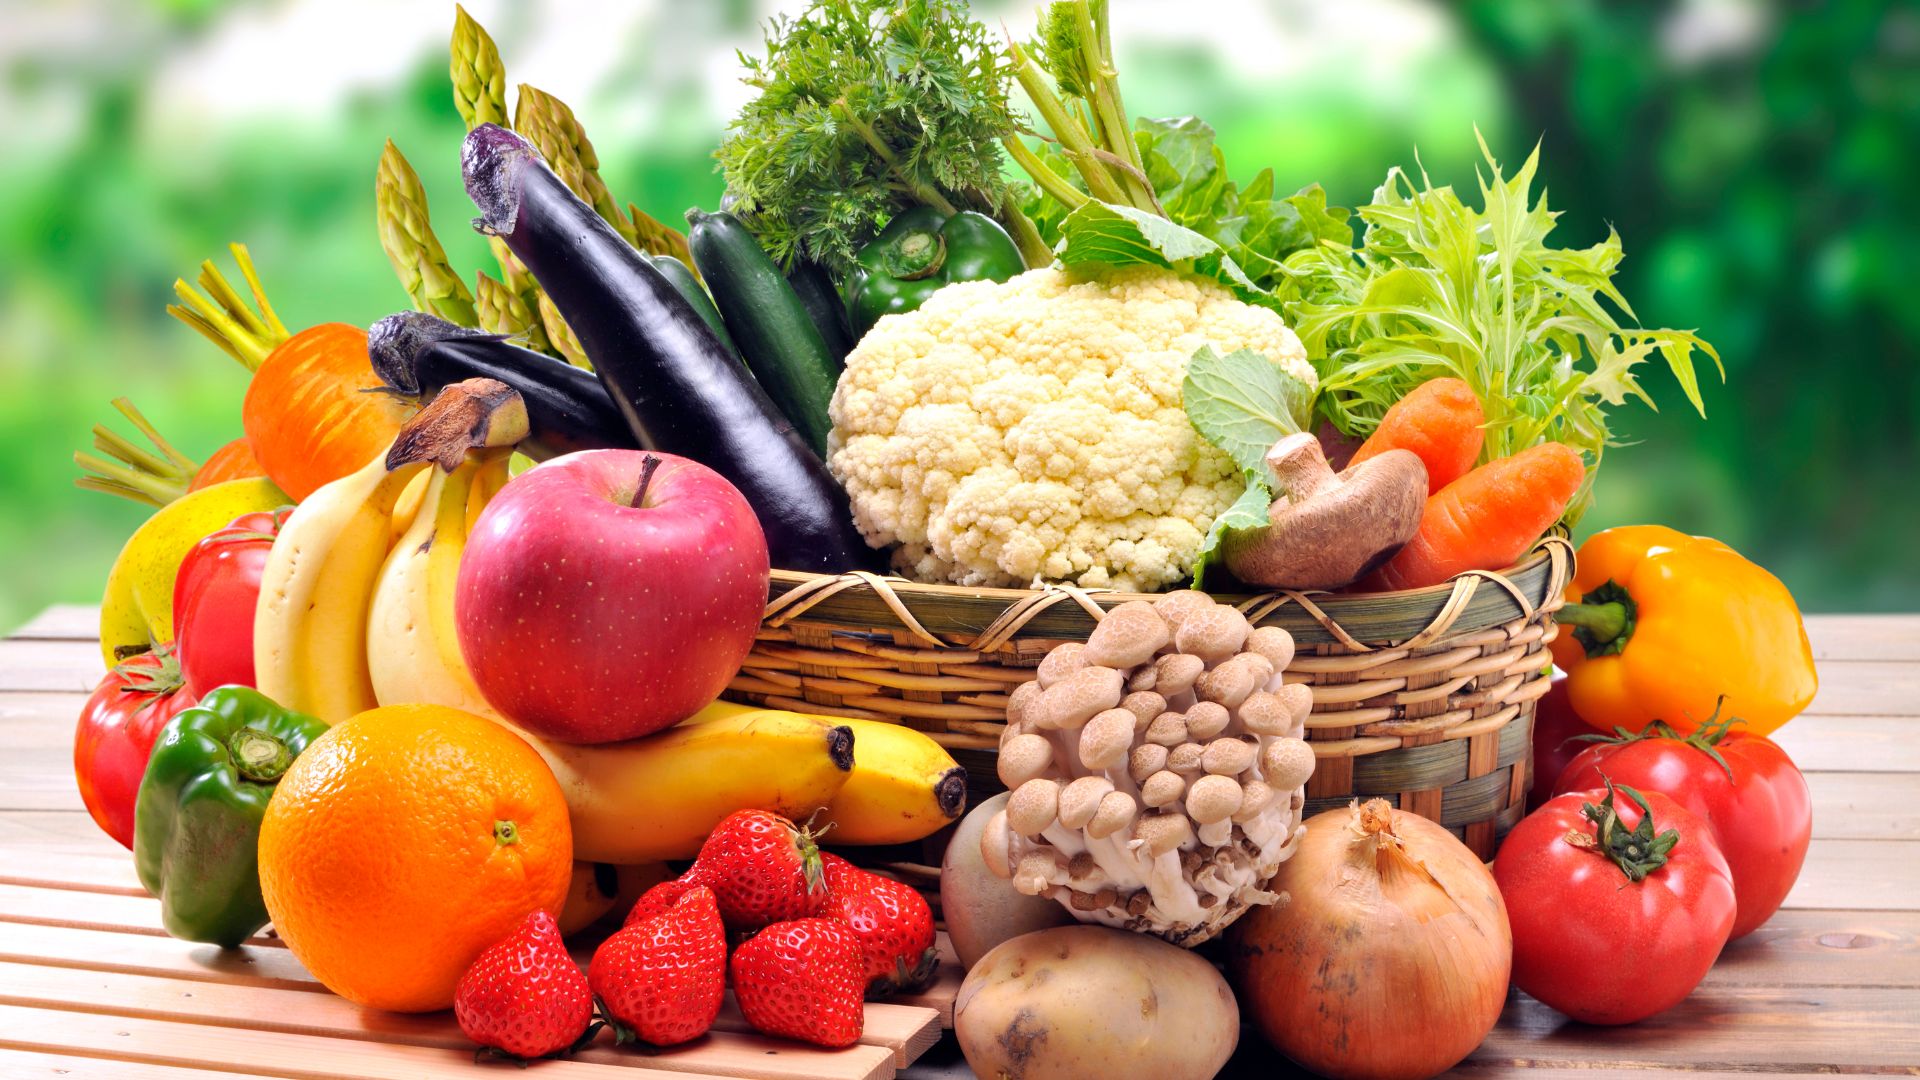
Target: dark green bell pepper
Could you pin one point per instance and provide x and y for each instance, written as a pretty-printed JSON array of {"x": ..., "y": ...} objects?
[
  {"x": 196, "y": 822},
  {"x": 920, "y": 251}
]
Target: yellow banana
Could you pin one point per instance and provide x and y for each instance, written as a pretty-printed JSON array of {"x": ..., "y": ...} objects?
[
  {"x": 310, "y": 628},
  {"x": 137, "y": 610},
  {"x": 904, "y": 786},
  {"x": 657, "y": 798},
  {"x": 598, "y": 888},
  {"x": 413, "y": 650}
]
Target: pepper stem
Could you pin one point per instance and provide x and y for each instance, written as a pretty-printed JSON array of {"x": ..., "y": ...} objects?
[
  {"x": 1603, "y": 620},
  {"x": 258, "y": 756}
]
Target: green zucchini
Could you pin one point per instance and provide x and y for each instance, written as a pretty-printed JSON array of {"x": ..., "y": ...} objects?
[
  {"x": 775, "y": 335},
  {"x": 822, "y": 301},
  {"x": 684, "y": 283}
]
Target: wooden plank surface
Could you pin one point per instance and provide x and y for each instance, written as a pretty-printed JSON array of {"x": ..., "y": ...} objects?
[{"x": 1831, "y": 984}]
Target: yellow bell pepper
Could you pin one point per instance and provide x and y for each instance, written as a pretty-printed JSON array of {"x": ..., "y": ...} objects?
[{"x": 1659, "y": 625}]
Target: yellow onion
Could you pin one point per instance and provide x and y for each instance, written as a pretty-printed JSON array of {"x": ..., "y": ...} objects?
[{"x": 1389, "y": 959}]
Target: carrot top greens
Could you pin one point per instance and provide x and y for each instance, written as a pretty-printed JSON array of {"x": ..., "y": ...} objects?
[{"x": 1440, "y": 288}]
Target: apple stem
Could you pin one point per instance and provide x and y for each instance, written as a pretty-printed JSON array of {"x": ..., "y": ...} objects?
[{"x": 647, "y": 466}]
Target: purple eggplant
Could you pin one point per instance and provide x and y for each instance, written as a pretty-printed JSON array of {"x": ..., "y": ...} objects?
[
  {"x": 417, "y": 355},
  {"x": 673, "y": 380}
]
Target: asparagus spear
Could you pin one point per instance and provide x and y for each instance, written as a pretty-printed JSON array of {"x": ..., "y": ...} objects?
[
  {"x": 479, "y": 78},
  {"x": 656, "y": 237},
  {"x": 561, "y": 335},
  {"x": 480, "y": 94},
  {"x": 547, "y": 122},
  {"x": 505, "y": 312},
  {"x": 407, "y": 234}
]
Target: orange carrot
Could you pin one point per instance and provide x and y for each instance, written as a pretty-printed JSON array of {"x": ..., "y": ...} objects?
[
  {"x": 308, "y": 415},
  {"x": 233, "y": 461},
  {"x": 1486, "y": 519},
  {"x": 1440, "y": 421}
]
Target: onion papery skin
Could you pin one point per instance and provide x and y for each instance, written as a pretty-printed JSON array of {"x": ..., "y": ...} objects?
[{"x": 1389, "y": 957}]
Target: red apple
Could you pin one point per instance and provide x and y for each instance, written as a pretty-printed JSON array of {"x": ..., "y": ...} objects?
[{"x": 603, "y": 598}]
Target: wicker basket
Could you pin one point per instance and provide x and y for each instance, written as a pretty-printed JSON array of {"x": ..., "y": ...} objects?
[{"x": 1424, "y": 698}]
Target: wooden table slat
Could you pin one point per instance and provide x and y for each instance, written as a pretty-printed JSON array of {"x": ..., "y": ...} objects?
[
  {"x": 1862, "y": 637},
  {"x": 32, "y": 1065},
  {"x": 1724, "y": 1026},
  {"x": 306, "y": 1057},
  {"x": 297, "y": 1013}
]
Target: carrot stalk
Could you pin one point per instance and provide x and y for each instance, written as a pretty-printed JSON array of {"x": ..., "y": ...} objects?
[
  {"x": 1440, "y": 421},
  {"x": 1486, "y": 519}
]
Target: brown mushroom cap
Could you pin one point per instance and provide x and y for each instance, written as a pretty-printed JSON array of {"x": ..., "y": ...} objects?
[
  {"x": 1128, "y": 637},
  {"x": 1329, "y": 530}
]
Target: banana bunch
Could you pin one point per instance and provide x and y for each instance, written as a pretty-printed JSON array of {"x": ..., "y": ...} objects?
[
  {"x": 658, "y": 797},
  {"x": 356, "y": 600}
]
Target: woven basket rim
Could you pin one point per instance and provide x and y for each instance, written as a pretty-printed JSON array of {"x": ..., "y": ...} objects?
[{"x": 988, "y": 618}]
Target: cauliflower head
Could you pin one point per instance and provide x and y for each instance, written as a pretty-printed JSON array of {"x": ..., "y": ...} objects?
[{"x": 1030, "y": 432}]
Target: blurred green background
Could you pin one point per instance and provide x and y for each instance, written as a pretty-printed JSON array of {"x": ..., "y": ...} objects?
[{"x": 1760, "y": 160}]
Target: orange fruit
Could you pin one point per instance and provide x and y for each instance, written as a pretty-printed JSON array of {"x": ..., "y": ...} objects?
[{"x": 405, "y": 841}]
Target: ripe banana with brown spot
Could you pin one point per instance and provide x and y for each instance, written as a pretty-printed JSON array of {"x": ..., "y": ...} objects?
[
  {"x": 413, "y": 649},
  {"x": 904, "y": 786}
]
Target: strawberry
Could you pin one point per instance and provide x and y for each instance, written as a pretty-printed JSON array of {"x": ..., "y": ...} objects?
[
  {"x": 524, "y": 997},
  {"x": 892, "y": 922},
  {"x": 802, "y": 980},
  {"x": 660, "y": 981},
  {"x": 657, "y": 900},
  {"x": 762, "y": 869}
]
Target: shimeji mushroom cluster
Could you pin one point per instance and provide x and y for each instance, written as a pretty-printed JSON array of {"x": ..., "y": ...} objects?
[{"x": 1156, "y": 771}]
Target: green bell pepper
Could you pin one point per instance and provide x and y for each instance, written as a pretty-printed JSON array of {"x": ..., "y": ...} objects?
[
  {"x": 196, "y": 822},
  {"x": 920, "y": 251}
]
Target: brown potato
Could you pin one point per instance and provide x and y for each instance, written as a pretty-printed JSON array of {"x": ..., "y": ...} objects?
[{"x": 1081, "y": 1001}]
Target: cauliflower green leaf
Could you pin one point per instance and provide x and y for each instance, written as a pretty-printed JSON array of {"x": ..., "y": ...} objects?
[
  {"x": 1249, "y": 511},
  {"x": 1243, "y": 403}
]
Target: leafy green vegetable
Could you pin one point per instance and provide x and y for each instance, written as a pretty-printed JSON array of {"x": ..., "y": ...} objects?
[
  {"x": 1242, "y": 403},
  {"x": 1121, "y": 236},
  {"x": 1202, "y": 222},
  {"x": 1439, "y": 288},
  {"x": 1259, "y": 231},
  {"x": 866, "y": 108},
  {"x": 1249, "y": 511}
]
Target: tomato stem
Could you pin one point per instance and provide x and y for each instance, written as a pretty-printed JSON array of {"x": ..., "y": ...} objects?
[{"x": 1638, "y": 851}]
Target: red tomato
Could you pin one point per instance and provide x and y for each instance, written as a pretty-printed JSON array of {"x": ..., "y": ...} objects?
[
  {"x": 214, "y": 595},
  {"x": 1554, "y": 722},
  {"x": 116, "y": 733},
  {"x": 1757, "y": 802},
  {"x": 1589, "y": 939}
]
